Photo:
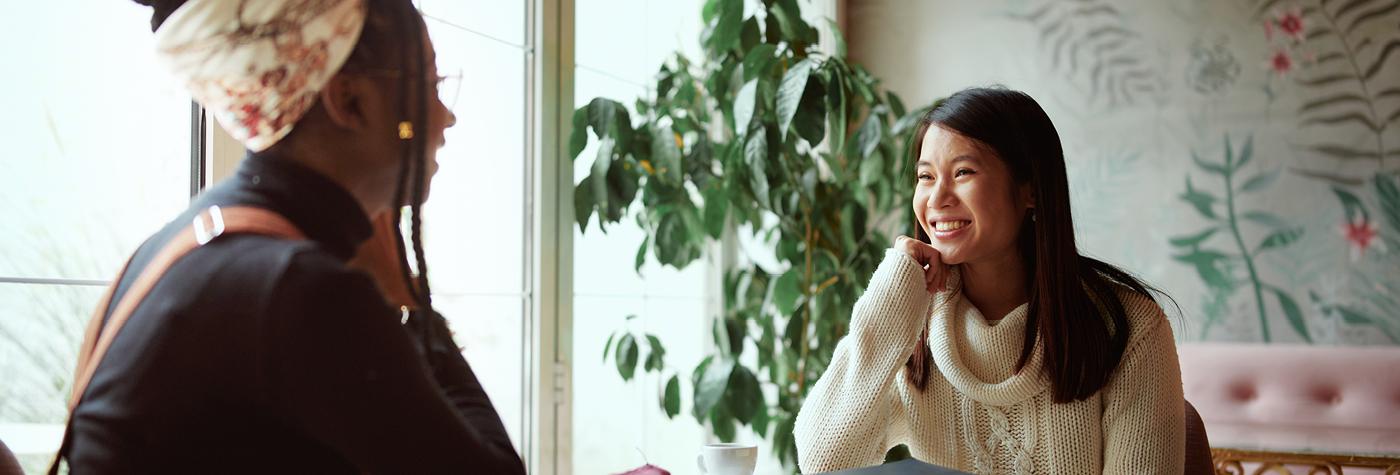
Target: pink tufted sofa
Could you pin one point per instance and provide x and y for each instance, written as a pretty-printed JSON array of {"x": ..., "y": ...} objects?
[{"x": 1296, "y": 397}]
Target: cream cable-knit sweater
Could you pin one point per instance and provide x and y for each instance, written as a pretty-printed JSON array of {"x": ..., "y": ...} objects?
[{"x": 976, "y": 415}]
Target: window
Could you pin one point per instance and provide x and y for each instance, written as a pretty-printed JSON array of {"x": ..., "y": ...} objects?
[
  {"x": 619, "y": 45},
  {"x": 99, "y": 157},
  {"x": 476, "y": 234}
]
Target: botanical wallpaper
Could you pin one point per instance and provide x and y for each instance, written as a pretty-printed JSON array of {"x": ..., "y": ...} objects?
[{"x": 1243, "y": 156}]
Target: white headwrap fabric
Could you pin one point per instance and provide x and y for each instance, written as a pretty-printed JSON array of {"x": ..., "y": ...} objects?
[{"x": 257, "y": 65}]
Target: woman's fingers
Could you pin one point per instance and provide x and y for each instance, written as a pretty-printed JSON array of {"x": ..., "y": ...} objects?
[{"x": 935, "y": 273}]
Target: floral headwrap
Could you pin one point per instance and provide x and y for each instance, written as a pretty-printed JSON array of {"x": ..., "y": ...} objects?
[{"x": 257, "y": 65}]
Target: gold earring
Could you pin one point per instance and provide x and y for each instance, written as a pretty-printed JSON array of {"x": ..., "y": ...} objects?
[{"x": 405, "y": 130}]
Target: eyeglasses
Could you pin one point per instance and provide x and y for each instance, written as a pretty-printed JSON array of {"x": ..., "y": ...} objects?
[{"x": 447, "y": 86}]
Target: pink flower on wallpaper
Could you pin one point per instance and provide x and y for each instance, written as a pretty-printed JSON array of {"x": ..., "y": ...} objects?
[
  {"x": 1290, "y": 23},
  {"x": 1361, "y": 234},
  {"x": 1281, "y": 62}
]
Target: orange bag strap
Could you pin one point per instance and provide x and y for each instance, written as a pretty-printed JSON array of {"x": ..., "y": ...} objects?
[
  {"x": 379, "y": 257},
  {"x": 208, "y": 225}
]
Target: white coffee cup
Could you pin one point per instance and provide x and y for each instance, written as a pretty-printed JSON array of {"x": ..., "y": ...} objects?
[{"x": 727, "y": 459}]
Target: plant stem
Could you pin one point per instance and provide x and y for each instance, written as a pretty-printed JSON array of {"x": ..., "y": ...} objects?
[
  {"x": 1244, "y": 251},
  {"x": 1365, "y": 92},
  {"x": 807, "y": 306}
]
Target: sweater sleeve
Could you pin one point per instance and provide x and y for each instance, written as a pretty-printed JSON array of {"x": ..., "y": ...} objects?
[
  {"x": 1144, "y": 410},
  {"x": 853, "y": 415}
]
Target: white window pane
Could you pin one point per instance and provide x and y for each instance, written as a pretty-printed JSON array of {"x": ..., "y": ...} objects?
[
  {"x": 41, "y": 326},
  {"x": 491, "y": 331},
  {"x": 671, "y": 27},
  {"x": 475, "y": 220},
  {"x": 503, "y": 20},
  {"x": 98, "y": 140},
  {"x": 608, "y": 413},
  {"x": 608, "y": 38}
]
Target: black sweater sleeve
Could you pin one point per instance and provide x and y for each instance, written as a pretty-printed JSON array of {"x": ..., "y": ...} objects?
[{"x": 345, "y": 371}]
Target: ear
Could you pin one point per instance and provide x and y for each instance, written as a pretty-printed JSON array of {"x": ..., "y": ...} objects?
[
  {"x": 344, "y": 102},
  {"x": 1027, "y": 195}
]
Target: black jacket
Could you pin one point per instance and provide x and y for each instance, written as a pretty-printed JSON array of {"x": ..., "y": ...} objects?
[{"x": 259, "y": 355}]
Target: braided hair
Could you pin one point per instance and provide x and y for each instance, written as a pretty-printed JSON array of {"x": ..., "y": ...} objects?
[{"x": 415, "y": 159}]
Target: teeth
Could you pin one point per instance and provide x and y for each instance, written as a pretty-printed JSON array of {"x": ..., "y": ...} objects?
[{"x": 949, "y": 225}]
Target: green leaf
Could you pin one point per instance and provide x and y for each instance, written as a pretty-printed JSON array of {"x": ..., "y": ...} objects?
[
  {"x": 744, "y": 104},
  {"x": 608, "y": 346},
  {"x": 790, "y": 22},
  {"x": 758, "y": 60},
  {"x": 840, "y": 50},
  {"x": 836, "y": 108},
  {"x": 583, "y": 202},
  {"x": 578, "y": 135},
  {"x": 744, "y": 396},
  {"x": 656, "y": 356},
  {"x": 1199, "y": 199},
  {"x": 599, "y": 172},
  {"x": 1194, "y": 239},
  {"x": 716, "y": 210},
  {"x": 712, "y": 385},
  {"x": 1208, "y": 166},
  {"x": 671, "y": 397},
  {"x": 1388, "y": 193},
  {"x": 908, "y": 121},
  {"x": 666, "y": 154},
  {"x": 626, "y": 356},
  {"x": 783, "y": 442},
  {"x": 811, "y": 113},
  {"x": 1292, "y": 312},
  {"x": 872, "y": 169},
  {"x": 869, "y": 135},
  {"x": 671, "y": 236},
  {"x": 786, "y": 290},
  {"x": 749, "y": 36},
  {"x": 1246, "y": 153},
  {"x": 896, "y": 104},
  {"x": 722, "y": 422},
  {"x": 1207, "y": 265},
  {"x": 1277, "y": 239},
  {"x": 601, "y": 115},
  {"x": 790, "y": 93},
  {"x": 727, "y": 24},
  {"x": 1265, "y": 218},
  {"x": 641, "y": 255},
  {"x": 760, "y": 421},
  {"x": 1260, "y": 181},
  {"x": 756, "y": 155},
  {"x": 1356, "y": 212},
  {"x": 707, "y": 12}
]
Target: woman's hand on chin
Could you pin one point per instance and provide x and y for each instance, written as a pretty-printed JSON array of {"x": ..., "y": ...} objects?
[{"x": 935, "y": 271}]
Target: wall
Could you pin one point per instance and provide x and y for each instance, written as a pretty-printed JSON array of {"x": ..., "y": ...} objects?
[{"x": 1152, "y": 97}]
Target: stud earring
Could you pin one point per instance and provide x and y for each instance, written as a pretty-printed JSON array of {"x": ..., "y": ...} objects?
[{"x": 405, "y": 130}]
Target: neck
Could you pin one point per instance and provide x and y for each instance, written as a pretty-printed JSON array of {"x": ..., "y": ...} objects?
[
  {"x": 995, "y": 286},
  {"x": 364, "y": 185}
]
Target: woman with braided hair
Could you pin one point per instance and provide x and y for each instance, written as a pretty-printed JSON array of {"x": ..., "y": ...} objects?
[{"x": 242, "y": 337}]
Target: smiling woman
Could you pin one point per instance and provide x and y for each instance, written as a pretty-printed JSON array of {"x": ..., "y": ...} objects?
[{"x": 1019, "y": 354}]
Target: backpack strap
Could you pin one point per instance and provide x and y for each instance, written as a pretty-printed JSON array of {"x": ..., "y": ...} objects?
[{"x": 207, "y": 226}]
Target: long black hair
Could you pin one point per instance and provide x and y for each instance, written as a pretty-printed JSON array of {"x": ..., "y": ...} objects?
[
  {"x": 415, "y": 159},
  {"x": 1074, "y": 309}
]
